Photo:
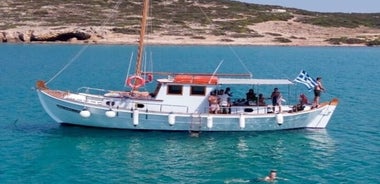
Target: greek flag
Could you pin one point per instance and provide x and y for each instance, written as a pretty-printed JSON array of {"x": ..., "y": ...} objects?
[{"x": 305, "y": 79}]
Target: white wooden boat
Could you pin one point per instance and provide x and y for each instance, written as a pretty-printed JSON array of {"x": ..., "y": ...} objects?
[{"x": 179, "y": 103}]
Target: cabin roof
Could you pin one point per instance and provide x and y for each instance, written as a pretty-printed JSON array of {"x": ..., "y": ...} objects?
[
  {"x": 255, "y": 81},
  {"x": 236, "y": 81}
]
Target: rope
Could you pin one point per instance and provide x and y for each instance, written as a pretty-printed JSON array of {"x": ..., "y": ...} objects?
[
  {"x": 333, "y": 95},
  {"x": 68, "y": 64},
  {"x": 233, "y": 51},
  {"x": 229, "y": 46},
  {"x": 241, "y": 61},
  {"x": 129, "y": 68},
  {"x": 217, "y": 68},
  {"x": 86, "y": 46}
]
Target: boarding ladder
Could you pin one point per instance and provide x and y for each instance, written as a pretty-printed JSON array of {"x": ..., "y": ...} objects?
[{"x": 195, "y": 124}]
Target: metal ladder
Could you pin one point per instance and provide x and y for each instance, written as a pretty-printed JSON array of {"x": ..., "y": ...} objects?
[{"x": 195, "y": 124}]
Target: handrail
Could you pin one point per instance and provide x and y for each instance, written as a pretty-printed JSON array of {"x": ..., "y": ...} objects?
[
  {"x": 198, "y": 74},
  {"x": 88, "y": 89},
  {"x": 160, "y": 108},
  {"x": 165, "y": 105},
  {"x": 239, "y": 109}
]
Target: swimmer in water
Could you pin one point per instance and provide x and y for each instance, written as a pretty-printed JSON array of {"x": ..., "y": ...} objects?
[{"x": 271, "y": 176}]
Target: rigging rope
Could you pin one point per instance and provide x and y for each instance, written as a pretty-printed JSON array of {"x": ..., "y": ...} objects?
[
  {"x": 129, "y": 68},
  {"x": 241, "y": 61},
  {"x": 68, "y": 64},
  {"x": 117, "y": 5},
  {"x": 217, "y": 68},
  {"x": 229, "y": 46}
]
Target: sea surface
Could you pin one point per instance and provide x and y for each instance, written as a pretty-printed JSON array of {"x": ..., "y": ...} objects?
[{"x": 35, "y": 149}]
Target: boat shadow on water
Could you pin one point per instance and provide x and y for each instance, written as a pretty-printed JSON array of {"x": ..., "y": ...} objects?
[{"x": 318, "y": 135}]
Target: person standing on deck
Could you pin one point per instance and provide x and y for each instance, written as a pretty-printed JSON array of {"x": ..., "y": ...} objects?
[
  {"x": 224, "y": 101},
  {"x": 276, "y": 100},
  {"x": 317, "y": 92},
  {"x": 213, "y": 103},
  {"x": 229, "y": 93}
]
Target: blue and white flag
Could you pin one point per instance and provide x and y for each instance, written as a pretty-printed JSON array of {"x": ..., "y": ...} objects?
[{"x": 305, "y": 79}]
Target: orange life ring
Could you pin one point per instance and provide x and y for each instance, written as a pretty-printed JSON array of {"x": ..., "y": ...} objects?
[
  {"x": 149, "y": 77},
  {"x": 135, "y": 81}
]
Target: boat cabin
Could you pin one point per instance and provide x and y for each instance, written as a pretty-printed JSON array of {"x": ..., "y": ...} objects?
[
  {"x": 189, "y": 93},
  {"x": 185, "y": 92}
]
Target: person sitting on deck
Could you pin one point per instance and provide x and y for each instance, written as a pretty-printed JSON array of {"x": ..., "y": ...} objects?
[
  {"x": 261, "y": 100},
  {"x": 251, "y": 97},
  {"x": 303, "y": 100},
  {"x": 213, "y": 103},
  {"x": 239, "y": 102},
  {"x": 301, "y": 105}
]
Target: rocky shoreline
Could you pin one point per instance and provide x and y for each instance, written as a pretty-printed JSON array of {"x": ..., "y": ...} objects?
[
  {"x": 181, "y": 23},
  {"x": 283, "y": 33}
]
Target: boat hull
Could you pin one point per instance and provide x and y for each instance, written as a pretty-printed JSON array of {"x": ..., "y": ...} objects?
[{"x": 69, "y": 112}]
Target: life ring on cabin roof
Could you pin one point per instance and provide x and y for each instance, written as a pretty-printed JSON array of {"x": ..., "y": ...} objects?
[{"x": 135, "y": 81}]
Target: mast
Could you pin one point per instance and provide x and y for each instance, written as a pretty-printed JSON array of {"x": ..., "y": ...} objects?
[{"x": 142, "y": 35}]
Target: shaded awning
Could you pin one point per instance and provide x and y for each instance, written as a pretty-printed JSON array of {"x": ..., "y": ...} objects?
[{"x": 255, "y": 81}]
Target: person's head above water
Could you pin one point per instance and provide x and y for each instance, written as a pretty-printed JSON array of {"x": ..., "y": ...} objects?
[{"x": 271, "y": 176}]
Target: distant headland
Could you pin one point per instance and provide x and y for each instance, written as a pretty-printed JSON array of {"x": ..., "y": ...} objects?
[{"x": 183, "y": 23}]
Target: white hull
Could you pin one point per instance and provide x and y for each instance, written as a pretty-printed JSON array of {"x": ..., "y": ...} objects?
[
  {"x": 64, "y": 110},
  {"x": 180, "y": 102}
]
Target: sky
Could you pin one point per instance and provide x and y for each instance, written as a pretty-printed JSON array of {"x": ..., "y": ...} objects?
[{"x": 346, "y": 6}]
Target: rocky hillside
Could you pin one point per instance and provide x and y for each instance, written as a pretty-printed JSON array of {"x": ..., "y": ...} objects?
[{"x": 181, "y": 22}]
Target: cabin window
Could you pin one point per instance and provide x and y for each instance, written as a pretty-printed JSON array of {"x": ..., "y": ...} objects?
[
  {"x": 175, "y": 89},
  {"x": 198, "y": 90}
]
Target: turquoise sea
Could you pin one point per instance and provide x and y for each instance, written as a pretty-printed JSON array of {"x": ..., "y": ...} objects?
[{"x": 35, "y": 149}]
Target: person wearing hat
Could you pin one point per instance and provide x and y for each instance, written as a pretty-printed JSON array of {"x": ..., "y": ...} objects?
[{"x": 317, "y": 92}]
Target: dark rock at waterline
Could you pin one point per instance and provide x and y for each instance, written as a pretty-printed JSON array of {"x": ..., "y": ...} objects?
[
  {"x": 65, "y": 36},
  {"x": 51, "y": 36}
]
